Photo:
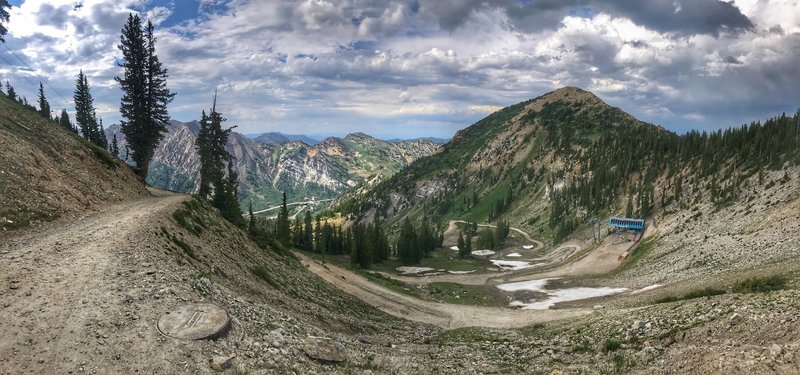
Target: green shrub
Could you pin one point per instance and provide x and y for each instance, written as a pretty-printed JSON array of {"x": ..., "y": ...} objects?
[
  {"x": 611, "y": 345},
  {"x": 761, "y": 284},
  {"x": 185, "y": 246},
  {"x": 697, "y": 293},
  {"x": 262, "y": 274}
]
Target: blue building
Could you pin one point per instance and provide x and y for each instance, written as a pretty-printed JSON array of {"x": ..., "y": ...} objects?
[{"x": 626, "y": 223}]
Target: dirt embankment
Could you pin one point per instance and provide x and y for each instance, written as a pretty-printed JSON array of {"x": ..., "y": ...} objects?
[{"x": 47, "y": 172}]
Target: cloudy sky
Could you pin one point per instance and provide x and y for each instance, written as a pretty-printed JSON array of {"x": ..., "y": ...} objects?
[{"x": 407, "y": 68}]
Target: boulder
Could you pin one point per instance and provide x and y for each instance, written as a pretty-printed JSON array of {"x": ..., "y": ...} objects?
[
  {"x": 221, "y": 363},
  {"x": 325, "y": 349}
]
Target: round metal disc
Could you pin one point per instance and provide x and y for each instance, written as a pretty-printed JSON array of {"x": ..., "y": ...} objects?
[{"x": 195, "y": 322}]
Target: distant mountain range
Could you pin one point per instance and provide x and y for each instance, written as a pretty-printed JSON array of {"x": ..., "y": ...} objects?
[
  {"x": 274, "y": 163},
  {"x": 439, "y": 141},
  {"x": 278, "y": 137}
]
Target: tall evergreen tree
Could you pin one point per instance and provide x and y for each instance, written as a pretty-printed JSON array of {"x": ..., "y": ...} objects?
[
  {"x": 308, "y": 232},
  {"x": 4, "y": 17},
  {"x": 211, "y": 147},
  {"x": 462, "y": 247},
  {"x": 85, "y": 114},
  {"x": 11, "y": 93},
  {"x": 252, "y": 225},
  {"x": 318, "y": 235},
  {"x": 145, "y": 94},
  {"x": 282, "y": 224},
  {"x": 225, "y": 196},
  {"x": 114, "y": 146},
  {"x": 44, "y": 105}
]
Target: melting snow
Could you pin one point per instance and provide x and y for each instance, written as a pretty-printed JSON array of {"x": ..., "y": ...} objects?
[
  {"x": 481, "y": 253},
  {"x": 554, "y": 296},
  {"x": 414, "y": 270},
  {"x": 454, "y": 248},
  {"x": 512, "y": 265},
  {"x": 651, "y": 287},
  {"x": 513, "y": 255},
  {"x": 527, "y": 247},
  {"x": 461, "y": 272}
]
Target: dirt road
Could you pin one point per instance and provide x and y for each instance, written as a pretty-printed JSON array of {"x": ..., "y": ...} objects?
[
  {"x": 539, "y": 244},
  {"x": 447, "y": 316},
  {"x": 61, "y": 287}
]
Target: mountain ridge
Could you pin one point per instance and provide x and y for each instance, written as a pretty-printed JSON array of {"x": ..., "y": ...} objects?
[{"x": 266, "y": 170}]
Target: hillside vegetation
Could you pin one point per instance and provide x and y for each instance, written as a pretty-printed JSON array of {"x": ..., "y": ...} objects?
[
  {"x": 556, "y": 161},
  {"x": 47, "y": 172}
]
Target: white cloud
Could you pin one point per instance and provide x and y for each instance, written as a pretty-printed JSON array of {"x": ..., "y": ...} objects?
[{"x": 336, "y": 66}]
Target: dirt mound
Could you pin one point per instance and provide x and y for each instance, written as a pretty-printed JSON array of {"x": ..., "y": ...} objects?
[{"x": 47, "y": 172}]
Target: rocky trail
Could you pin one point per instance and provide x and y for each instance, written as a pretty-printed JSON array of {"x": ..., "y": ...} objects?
[{"x": 62, "y": 281}]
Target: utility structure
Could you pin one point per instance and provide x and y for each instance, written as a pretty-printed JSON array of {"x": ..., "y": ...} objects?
[{"x": 619, "y": 223}]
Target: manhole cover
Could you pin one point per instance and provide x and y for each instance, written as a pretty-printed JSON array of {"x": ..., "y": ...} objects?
[{"x": 195, "y": 322}]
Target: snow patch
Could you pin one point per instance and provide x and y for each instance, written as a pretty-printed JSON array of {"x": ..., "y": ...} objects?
[
  {"x": 454, "y": 248},
  {"x": 647, "y": 288},
  {"x": 414, "y": 270},
  {"x": 512, "y": 265},
  {"x": 482, "y": 253},
  {"x": 554, "y": 296},
  {"x": 461, "y": 272},
  {"x": 528, "y": 247},
  {"x": 533, "y": 285},
  {"x": 514, "y": 255}
]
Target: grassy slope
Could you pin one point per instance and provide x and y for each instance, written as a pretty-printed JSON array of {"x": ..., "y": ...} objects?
[{"x": 46, "y": 171}]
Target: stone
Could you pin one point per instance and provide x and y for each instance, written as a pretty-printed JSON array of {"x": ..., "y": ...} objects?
[
  {"x": 325, "y": 349},
  {"x": 275, "y": 338},
  {"x": 221, "y": 363},
  {"x": 735, "y": 319},
  {"x": 775, "y": 350},
  {"x": 195, "y": 322}
]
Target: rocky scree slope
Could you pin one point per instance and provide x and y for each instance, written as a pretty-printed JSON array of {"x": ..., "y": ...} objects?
[
  {"x": 47, "y": 172},
  {"x": 268, "y": 168}
]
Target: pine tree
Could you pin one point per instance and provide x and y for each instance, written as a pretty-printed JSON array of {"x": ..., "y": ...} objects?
[
  {"x": 100, "y": 133},
  {"x": 308, "y": 233},
  {"x": 282, "y": 229},
  {"x": 4, "y": 17},
  {"x": 115, "y": 146},
  {"x": 462, "y": 247},
  {"x": 11, "y": 93},
  {"x": 64, "y": 121},
  {"x": 85, "y": 114},
  {"x": 252, "y": 225},
  {"x": 225, "y": 196},
  {"x": 406, "y": 243},
  {"x": 211, "y": 147},
  {"x": 145, "y": 94},
  {"x": 44, "y": 105},
  {"x": 318, "y": 235},
  {"x": 467, "y": 245}
]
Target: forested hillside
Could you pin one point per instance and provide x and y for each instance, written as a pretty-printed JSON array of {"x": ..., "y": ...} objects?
[{"x": 554, "y": 162}]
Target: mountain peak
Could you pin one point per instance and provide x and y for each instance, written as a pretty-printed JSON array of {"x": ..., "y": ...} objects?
[{"x": 569, "y": 94}]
